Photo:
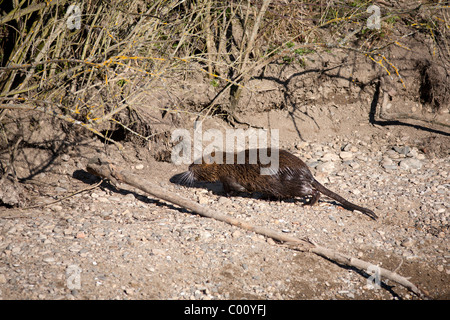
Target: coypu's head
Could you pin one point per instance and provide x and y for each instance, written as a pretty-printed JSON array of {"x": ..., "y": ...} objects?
[{"x": 207, "y": 170}]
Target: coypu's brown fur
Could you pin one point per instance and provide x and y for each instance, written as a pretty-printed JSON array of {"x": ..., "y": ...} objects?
[{"x": 291, "y": 179}]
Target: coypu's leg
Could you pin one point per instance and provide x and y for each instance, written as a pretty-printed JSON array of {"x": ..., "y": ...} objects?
[
  {"x": 230, "y": 185},
  {"x": 314, "y": 198}
]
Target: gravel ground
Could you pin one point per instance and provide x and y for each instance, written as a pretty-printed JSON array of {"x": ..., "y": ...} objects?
[{"x": 110, "y": 243}]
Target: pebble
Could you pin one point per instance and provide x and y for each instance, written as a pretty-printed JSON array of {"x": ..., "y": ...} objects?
[
  {"x": 129, "y": 291},
  {"x": 392, "y": 154},
  {"x": 158, "y": 252},
  {"x": 313, "y": 164},
  {"x": 2, "y": 278},
  {"x": 402, "y": 150},
  {"x": 57, "y": 207},
  {"x": 326, "y": 167},
  {"x": 407, "y": 243},
  {"x": 202, "y": 199},
  {"x": 301, "y": 145},
  {"x": 388, "y": 163},
  {"x": 329, "y": 157},
  {"x": 346, "y": 155},
  {"x": 49, "y": 260},
  {"x": 236, "y": 234},
  {"x": 410, "y": 163},
  {"x": 224, "y": 200},
  {"x": 80, "y": 235},
  {"x": 354, "y": 165},
  {"x": 75, "y": 248}
]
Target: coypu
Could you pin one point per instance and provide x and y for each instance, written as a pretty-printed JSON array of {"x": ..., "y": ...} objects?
[{"x": 292, "y": 177}]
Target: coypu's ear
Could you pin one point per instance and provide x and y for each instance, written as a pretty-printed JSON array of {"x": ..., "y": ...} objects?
[{"x": 210, "y": 158}]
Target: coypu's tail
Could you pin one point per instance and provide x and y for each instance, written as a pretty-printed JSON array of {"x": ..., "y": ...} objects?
[{"x": 346, "y": 204}]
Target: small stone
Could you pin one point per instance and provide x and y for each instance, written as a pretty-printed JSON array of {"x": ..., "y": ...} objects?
[
  {"x": 388, "y": 164},
  {"x": 139, "y": 167},
  {"x": 346, "y": 155},
  {"x": 402, "y": 150},
  {"x": 129, "y": 291},
  {"x": 313, "y": 164},
  {"x": 205, "y": 235},
  {"x": 129, "y": 197},
  {"x": 49, "y": 260},
  {"x": 236, "y": 234},
  {"x": 330, "y": 157},
  {"x": 224, "y": 200},
  {"x": 301, "y": 145},
  {"x": 420, "y": 156},
  {"x": 407, "y": 243},
  {"x": 15, "y": 250},
  {"x": 80, "y": 235},
  {"x": 158, "y": 252},
  {"x": 387, "y": 161},
  {"x": 75, "y": 248},
  {"x": 326, "y": 167},
  {"x": 202, "y": 199},
  {"x": 57, "y": 208},
  {"x": 2, "y": 279},
  {"x": 410, "y": 163},
  {"x": 392, "y": 154},
  {"x": 354, "y": 165}
]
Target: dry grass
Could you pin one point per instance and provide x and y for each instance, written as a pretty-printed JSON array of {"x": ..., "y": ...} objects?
[{"x": 123, "y": 52}]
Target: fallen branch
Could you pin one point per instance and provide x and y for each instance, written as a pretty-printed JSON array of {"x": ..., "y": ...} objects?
[{"x": 107, "y": 170}]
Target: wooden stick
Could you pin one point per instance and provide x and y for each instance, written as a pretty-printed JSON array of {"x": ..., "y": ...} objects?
[{"x": 107, "y": 170}]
